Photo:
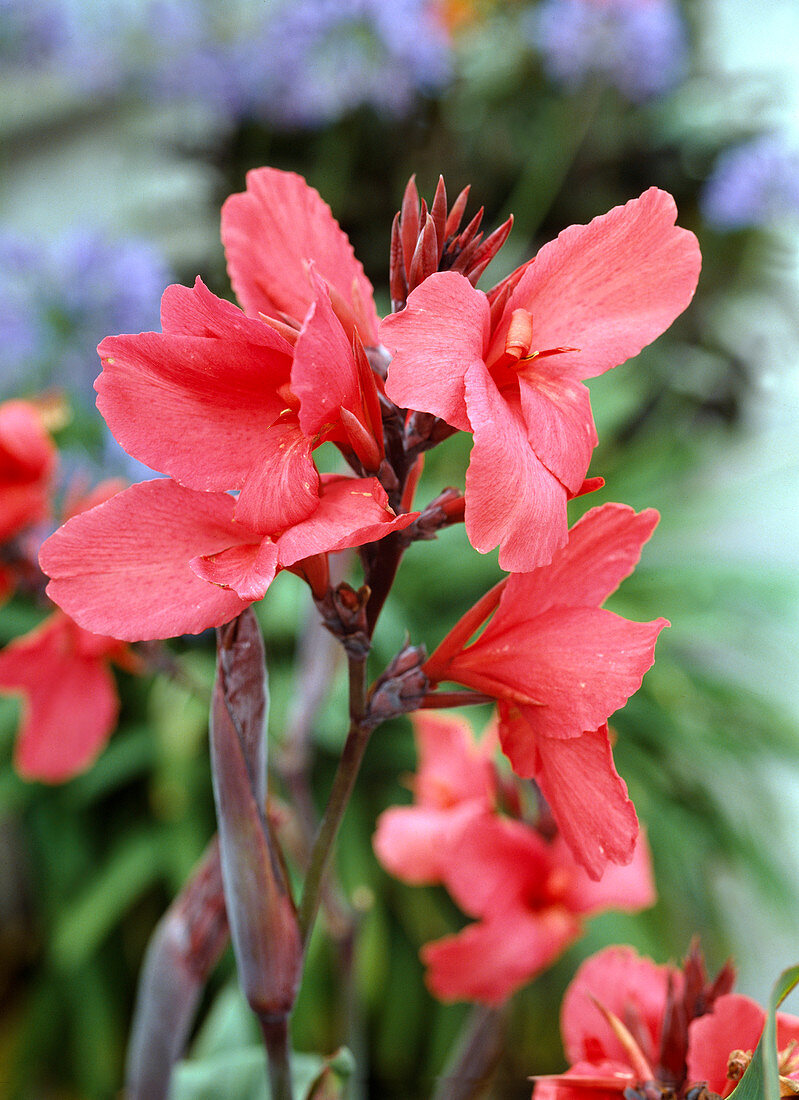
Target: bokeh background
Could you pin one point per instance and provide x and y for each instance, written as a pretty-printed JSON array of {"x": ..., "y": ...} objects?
[{"x": 124, "y": 124}]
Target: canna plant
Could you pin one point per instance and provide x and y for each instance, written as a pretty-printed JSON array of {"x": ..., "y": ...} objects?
[{"x": 230, "y": 404}]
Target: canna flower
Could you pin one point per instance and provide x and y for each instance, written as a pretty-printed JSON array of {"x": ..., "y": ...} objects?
[
  {"x": 27, "y": 463},
  {"x": 559, "y": 666},
  {"x": 159, "y": 560},
  {"x": 528, "y": 894},
  {"x": 631, "y": 1028},
  {"x": 62, "y": 673},
  {"x": 529, "y": 897},
  {"x": 509, "y": 366},
  {"x": 69, "y": 699}
]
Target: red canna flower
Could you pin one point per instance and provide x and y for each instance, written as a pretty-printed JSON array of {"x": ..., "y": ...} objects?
[
  {"x": 27, "y": 462},
  {"x": 69, "y": 698},
  {"x": 509, "y": 366},
  {"x": 527, "y": 893},
  {"x": 559, "y": 666},
  {"x": 159, "y": 560},
  {"x": 529, "y": 897},
  {"x": 628, "y": 1024}
]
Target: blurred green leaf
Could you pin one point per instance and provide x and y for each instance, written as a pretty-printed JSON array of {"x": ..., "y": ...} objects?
[{"x": 761, "y": 1079}]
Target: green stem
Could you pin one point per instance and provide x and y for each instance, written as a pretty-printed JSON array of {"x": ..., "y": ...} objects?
[
  {"x": 343, "y": 784},
  {"x": 276, "y": 1041}
]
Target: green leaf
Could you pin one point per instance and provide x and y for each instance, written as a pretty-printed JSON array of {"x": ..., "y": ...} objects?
[{"x": 761, "y": 1080}]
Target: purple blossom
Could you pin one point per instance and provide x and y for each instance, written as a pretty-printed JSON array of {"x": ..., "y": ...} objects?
[
  {"x": 752, "y": 184},
  {"x": 638, "y": 46},
  {"x": 59, "y": 298},
  {"x": 326, "y": 57}
]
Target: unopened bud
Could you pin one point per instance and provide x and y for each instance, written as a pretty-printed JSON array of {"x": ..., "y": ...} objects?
[{"x": 400, "y": 689}]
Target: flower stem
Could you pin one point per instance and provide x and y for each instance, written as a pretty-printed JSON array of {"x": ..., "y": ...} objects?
[
  {"x": 276, "y": 1040},
  {"x": 474, "y": 1059},
  {"x": 343, "y": 783}
]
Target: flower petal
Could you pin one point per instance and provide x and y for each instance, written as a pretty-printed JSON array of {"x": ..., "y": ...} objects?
[
  {"x": 628, "y": 888},
  {"x": 452, "y": 766},
  {"x": 512, "y": 500},
  {"x": 580, "y": 664},
  {"x": 282, "y": 487},
  {"x": 610, "y": 287},
  {"x": 735, "y": 1023},
  {"x": 248, "y": 570},
  {"x": 193, "y": 407},
  {"x": 415, "y": 843},
  {"x": 625, "y": 983},
  {"x": 586, "y": 794},
  {"x": 270, "y": 232},
  {"x": 500, "y": 863},
  {"x": 603, "y": 548},
  {"x": 560, "y": 425},
  {"x": 70, "y": 703},
  {"x": 352, "y": 511},
  {"x": 442, "y": 330},
  {"x": 195, "y": 311},
  {"x": 123, "y": 568},
  {"x": 489, "y": 961}
]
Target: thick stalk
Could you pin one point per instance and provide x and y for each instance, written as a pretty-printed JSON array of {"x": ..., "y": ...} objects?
[
  {"x": 471, "y": 1066},
  {"x": 343, "y": 784},
  {"x": 276, "y": 1041}
]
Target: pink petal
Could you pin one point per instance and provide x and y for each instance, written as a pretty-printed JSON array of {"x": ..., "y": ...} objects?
[
  {"x": 603, "y": 548},
  {"x": 442, "y": 331},
  {"x": 195, "y": 311},
  {"x": 123, "y": 568},
  {"x": 610, "y": 287},
  {"x": 70, "y": 703},
  {"x": 585, "y": 1081},
  {"x": 580, "y": 664},
  {"x": 352, "y": 511},
  {"x": 512, "y": 500},
  {"x": 560, "y": 425},
  {"x": 735, "y": 1023},
  {"x": 500, "y": 863},
  {"x": 271, "y": 231},
  {"x": 586, "y": 794},
  {"x": 626, "y": 984},
  {"x": 282, "y": 486},
  {"x": 452, "y": 767},
  {"x": 415, "y": 843},
  {"x": 192, "y": 407},
  {"x": 628, "y": 888},
  {"x": 489, "y": 961},
  {"x": 247, "y": 570},
  {"x": 324, "y": 375}
]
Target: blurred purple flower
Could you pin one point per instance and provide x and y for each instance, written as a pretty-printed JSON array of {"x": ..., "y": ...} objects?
[
  {"x": 59, "y": 298},
  {"x": 752, "y": 184},
  {"x": 319, "y": 59},
  {"x": 638, "y": 46}
]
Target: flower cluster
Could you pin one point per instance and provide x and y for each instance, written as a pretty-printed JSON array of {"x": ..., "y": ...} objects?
[
  {"x": 634, "y": 1029},
  {"x": 524, "y": 885},
  {"x": 230, "y": 404},
  {"x": 228, "y": 401}
]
